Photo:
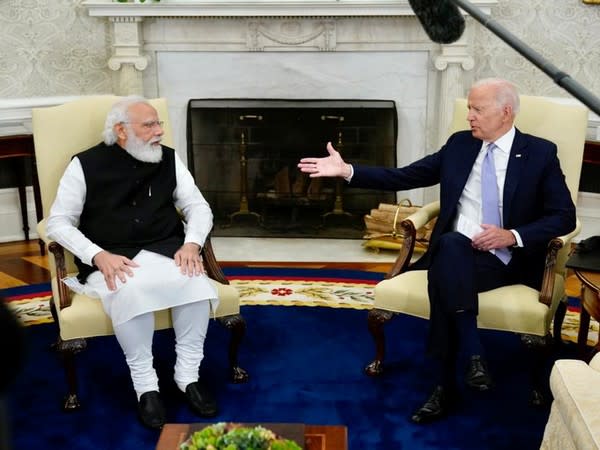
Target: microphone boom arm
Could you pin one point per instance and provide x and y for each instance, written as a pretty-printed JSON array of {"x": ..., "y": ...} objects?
[{"x": 561, "y": 78}]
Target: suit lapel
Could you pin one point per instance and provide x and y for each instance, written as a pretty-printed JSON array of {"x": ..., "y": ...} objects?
[{"x": 516, "y": 161}]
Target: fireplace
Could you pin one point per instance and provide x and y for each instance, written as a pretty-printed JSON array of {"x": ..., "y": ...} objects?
[{"x": 243, "y": 156}]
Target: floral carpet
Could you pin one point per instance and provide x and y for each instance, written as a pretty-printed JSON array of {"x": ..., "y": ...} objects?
[{"x": 278, "y": 286}]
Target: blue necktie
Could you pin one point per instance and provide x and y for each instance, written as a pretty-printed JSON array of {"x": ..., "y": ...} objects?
[{"x": 490, "y": 203}]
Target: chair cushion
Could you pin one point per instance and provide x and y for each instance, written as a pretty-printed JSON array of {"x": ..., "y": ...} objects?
[
  {"x": 86, "y": 317},
  {"x": 508, "y": 308}
]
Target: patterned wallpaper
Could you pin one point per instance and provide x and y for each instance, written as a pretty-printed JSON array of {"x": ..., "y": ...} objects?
[
  {"x": 53, "y": 48},
  {"x": 564, "y": 32}
]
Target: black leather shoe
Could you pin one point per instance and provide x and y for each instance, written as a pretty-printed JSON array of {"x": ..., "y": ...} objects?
[
  {"x": 478, "y": 376},
  {"x": 151, "y": 410},
  {"x": 201, "y": 400},
  {"x": 437, "y": 406}
]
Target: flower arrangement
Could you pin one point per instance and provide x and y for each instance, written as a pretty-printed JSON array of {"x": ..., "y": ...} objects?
[{"x": 228, "y": 436}]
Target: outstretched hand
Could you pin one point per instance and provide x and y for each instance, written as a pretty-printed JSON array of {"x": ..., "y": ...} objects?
[{"x": 328, "y": 166}]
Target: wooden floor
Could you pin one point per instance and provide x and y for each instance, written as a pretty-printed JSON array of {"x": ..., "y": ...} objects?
[{"x": 21, "y": 263}]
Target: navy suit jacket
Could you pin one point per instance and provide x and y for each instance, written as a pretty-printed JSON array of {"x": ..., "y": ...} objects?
[{"x": 537, "y": 203}]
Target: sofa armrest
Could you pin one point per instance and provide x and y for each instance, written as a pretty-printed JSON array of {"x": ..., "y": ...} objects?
[
  {"x": 595, "y": 362},
  {"x": 576, "y": 390}
]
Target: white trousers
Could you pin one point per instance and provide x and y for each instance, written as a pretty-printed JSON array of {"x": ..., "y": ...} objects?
[{"x": 190, "y": 322}]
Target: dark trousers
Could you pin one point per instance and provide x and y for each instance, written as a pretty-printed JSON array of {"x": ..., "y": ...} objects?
[{"x": 456, "y": 275}]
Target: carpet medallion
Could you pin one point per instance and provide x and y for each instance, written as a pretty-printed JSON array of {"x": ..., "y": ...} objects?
[
  {"x": 304, "y": 287},
  {"x": 278, "y": 286}
]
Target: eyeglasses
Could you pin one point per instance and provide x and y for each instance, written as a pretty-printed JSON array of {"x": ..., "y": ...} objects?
[{"x": 149, "y": 125}]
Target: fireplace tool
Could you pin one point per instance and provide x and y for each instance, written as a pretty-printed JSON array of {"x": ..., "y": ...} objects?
[
  {"x": 244, "y": 209},
  {"x": 338, "y": 204}
]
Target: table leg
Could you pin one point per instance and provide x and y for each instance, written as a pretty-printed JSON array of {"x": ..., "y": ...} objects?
[
  {"x": 23, "y": 200},
  {"x": 584, "y": 325},
  {"x": 39, "y": 213}
]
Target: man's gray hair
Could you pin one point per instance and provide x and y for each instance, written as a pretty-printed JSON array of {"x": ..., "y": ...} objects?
[
  {"x": 506, "y": 92},
  {"x": 119, "y": 113}
]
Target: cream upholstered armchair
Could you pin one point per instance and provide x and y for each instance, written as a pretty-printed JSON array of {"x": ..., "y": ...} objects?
[
  {"x": 60, "y": 132},
  {"x": 516, "y": 308},
  {"x": 574, "y": 421}
]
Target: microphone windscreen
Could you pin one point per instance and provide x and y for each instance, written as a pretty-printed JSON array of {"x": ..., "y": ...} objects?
[{"x": 441, "y": 19}]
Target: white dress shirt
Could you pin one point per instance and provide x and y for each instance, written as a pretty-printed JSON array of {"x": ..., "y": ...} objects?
[{"x": 469, "y": 203}]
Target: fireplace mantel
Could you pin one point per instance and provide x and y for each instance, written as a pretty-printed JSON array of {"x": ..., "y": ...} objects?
[
  {"x": 144, "y": 32},
  {"x": 260, "y": 8},
  {"x": 313, "y": 49}
]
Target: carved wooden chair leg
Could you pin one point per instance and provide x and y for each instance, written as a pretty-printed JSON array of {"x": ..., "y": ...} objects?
[
  {"x": 237, "y": 325},
  {"x": 377, "y": 318},
  {"x": 67, "y": 351},
  {"x": 540, "y": 348},
  {"x": 559, "y": 318}
]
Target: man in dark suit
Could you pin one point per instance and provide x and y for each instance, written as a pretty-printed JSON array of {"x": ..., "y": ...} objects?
[{"x": 503, "y": 196}]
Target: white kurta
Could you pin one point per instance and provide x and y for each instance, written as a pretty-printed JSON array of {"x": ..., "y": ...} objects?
[{"x": 158, "y": 283}]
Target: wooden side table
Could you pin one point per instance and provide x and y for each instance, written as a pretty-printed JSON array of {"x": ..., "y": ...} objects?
[
  {"x": 21, "y": 146},
  {"x": 590, "y": 306}
]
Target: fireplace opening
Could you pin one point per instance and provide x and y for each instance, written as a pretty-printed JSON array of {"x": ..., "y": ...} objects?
[{"x": 243, "y": 156}]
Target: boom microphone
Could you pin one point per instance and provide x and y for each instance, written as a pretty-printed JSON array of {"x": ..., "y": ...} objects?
[
  {"x": 441, "y": 20},
  {"x": 444, "y": 24}
]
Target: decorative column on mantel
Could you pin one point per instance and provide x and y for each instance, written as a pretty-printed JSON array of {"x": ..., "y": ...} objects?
[{"x": 127, "y": 55}]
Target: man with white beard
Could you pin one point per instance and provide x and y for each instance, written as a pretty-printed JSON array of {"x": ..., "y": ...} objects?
[{"x": 118, "y": 210}]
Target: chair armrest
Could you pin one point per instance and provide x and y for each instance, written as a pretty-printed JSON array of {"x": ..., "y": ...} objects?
[
  {"x": 213, "y": 269},
  {"x": 408, "y": 230},
  {"x": 554, "y": 246},
  {"x": 58, "y": 253},
  {"x": 567, "y": 238}
]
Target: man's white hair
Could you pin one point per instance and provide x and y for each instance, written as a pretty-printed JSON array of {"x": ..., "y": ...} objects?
[
  {"x": 119, "y": 113},
  {"x": 506, "y": 92}
]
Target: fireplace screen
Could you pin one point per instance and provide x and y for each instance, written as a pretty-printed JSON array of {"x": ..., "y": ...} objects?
[{"x": 243, "y": 156}]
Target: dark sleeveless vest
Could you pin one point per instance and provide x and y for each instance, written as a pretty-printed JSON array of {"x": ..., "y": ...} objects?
[{"x": 129, "y": 204}]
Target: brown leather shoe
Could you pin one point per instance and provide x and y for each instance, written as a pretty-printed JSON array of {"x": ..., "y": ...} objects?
[
  {"x": 478, "y": 376},
  {"x": 436, "y": 407},
  {"x": 201, "y": 400},
  {"x": 151, "y": 410}
]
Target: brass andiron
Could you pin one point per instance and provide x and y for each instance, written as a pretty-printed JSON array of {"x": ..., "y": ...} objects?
[
  {"x": 244, "y": 209},
  {"x": 338, "y": 204}
]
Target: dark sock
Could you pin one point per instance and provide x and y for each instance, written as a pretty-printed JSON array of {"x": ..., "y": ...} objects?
[
  {"x": 444, "y": 373},
  {"x": 468, "y": 335}
]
